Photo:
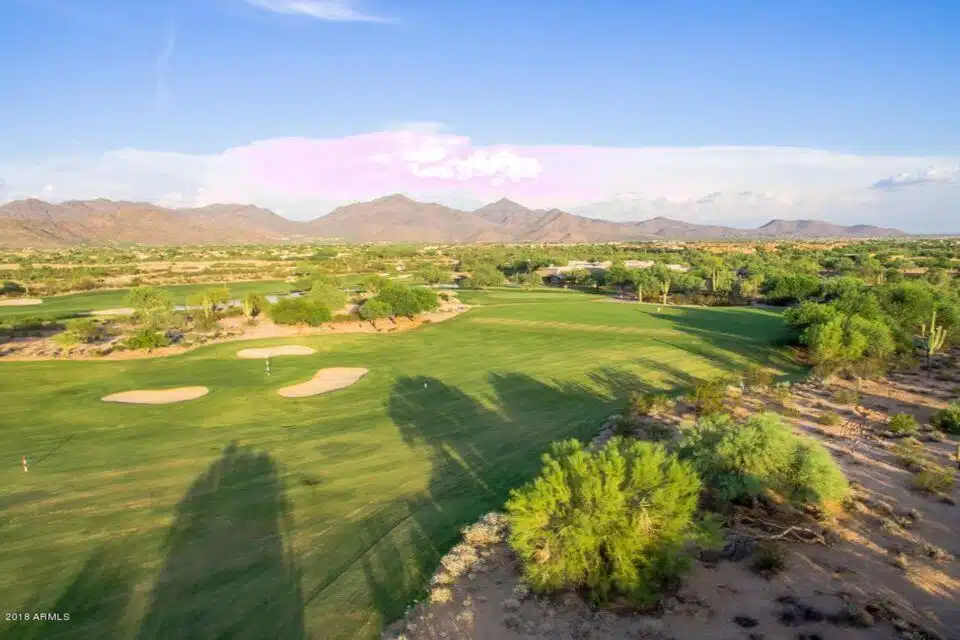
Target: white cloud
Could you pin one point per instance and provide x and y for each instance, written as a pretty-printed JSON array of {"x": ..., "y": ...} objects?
[
  {"x": 328, "y": 10},
  {"x": 929, "y": 175}
]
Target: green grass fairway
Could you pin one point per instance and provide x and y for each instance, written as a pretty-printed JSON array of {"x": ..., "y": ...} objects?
[
  {"x": 244, "y": 514},
  {"x": 73, "y": 304}
]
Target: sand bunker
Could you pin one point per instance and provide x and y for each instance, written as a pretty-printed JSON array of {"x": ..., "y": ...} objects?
[
  {"x": 157, "y": 396},
  {"x": 119, "y": 311},
  {"x": 324, "y": 381},
  {"x": 269, "y": 352},
  {"x": 20, "y": 302}
]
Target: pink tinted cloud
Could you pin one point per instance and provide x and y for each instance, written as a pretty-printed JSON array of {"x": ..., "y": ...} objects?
[{"x": 371, "y": 165}]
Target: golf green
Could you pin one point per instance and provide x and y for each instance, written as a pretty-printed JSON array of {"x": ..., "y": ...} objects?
[{"x": 246, "y": 514}]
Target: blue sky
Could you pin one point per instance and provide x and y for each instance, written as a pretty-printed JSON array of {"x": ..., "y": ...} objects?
[{"x": 200, "y": 77}]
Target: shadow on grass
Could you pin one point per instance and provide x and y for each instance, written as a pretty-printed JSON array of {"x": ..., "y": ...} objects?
[
  {"x": 478, "y": 451},
  {"x": 229, "y": 568},
  {"x": 96, "y": 601}
]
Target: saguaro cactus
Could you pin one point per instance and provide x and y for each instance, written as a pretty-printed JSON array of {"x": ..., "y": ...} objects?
[
  {"x": 665, "y": 289},
  {"x": 932, "y": 337}
]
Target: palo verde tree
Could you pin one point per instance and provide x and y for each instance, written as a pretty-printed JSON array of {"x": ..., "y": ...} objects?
[
  {"x": 612, "y": 521},
  {"x": 209, "y": 300},
  {"x": 150, "y": 305}
]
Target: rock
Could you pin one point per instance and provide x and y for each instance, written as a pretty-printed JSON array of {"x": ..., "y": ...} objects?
[
  {"x": 511, "y": 622},
  {"x": 711, "y": 556},
  {"x": 746, "y": 622},
  {"x": 510, "y": 604},
  {"x": 481, "y": 598},
  {"x": 669, "y": 603}
]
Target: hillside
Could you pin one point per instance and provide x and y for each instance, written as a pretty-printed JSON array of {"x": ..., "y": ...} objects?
[{"x": 394, "y": 218}]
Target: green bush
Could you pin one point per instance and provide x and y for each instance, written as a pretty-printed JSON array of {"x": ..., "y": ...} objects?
[
  {"x": 402, "y": 300},
  {"x": 708, "y": 396},
  {"x": 743, "y": 461},
  {"x": 327, "y": 295},
  {"x": 769, "y": 559},
  {"x": 611, "y": 521},
  {"x": 374, "y": 309},
  {"x": 646, "y": 404},
  {"x": 299, "y": 311},
  {"x": 812, "y": 476},
  {"x": 910, "y": 454},
  {"x": 948, "y": 419},
  {"x": 10, "y": 288},
  {"x": 903, "y": 424},
  {"x": 426, "y": 298},
  {"x": 146, "y": 338},
  {"x": 829, "y": 419},
  {"x": 935, "y": 479},
  {"x": 846, "y": 396},
  {"x": 756, "y": 377},
  {"x": 85, "y": 330}
]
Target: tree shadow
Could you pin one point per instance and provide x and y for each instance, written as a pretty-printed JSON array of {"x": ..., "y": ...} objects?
[
  {"x": 478, "y": 450},
  {"x": 96, "y": 601},
  {"x": 229, "y": 569}
]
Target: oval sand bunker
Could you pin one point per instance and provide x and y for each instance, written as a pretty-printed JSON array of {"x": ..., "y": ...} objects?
[
  {"x": 157, "y": 396},
  {"x": 269, "y": 352},
  {"x": 324, "y": 381},
  {"x": 20, "y": 302}
]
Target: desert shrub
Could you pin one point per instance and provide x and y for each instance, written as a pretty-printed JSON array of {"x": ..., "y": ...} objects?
[
  {"x": 85, "y": 330},
  {"x": 768, "y": 559},
  {"x": 146, "y": 338},
  {"x": 781, "y": 392},
  {"x": 646, "y": 404},
  {"x": 903, "y": 424},
  {"x": 205, "y": 322},
  {"x": 402, "y": 300},
  {"x": 739, "y": 462},
  {"x": 708, "y": 396},
  {"x": 328, "y": 295},
  {"x": 427, "y": 298},
  {"x": 934, "y": 479},
  {"x": 611, "y": 521},
  {"x": 829, "y": 419},
  {"x": 910, "y": 454},
  {"x": 948, "y": 419},
  {"x": 757, "y": 377},
  {"x": 813, "y": 477},
  {"x": 299, "y": 311},
  {"x": 13, "y": 289},
  {"x": 374, "y": 309},
  {"x": 846, "y": 396}
]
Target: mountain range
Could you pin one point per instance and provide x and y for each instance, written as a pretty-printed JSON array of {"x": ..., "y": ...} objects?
[{"x": 394, "y": 218}]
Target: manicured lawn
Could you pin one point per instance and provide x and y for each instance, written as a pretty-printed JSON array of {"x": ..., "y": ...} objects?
[
  {"x": 244, "y": 514},
  {"x": 56, "y": 307}
]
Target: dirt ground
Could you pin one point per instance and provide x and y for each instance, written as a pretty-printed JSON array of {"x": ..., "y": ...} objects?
[
  {"x": 325, "y": 381},
  {"x": 231, "y": 329},
  {"x": 889, "y": 568},
  {"x": 157, "y": 396}
]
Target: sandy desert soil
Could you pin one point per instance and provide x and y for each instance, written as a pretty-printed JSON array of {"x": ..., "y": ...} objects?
[
  {"x": 270, "y": 352},
  {"x": 231, "y": 330},
  {"x": 886, "y": 566},
  {"x": 324, "y": 381},
  {"x": 20, "y": 302},
  {"x": 157, "y": 396}
]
